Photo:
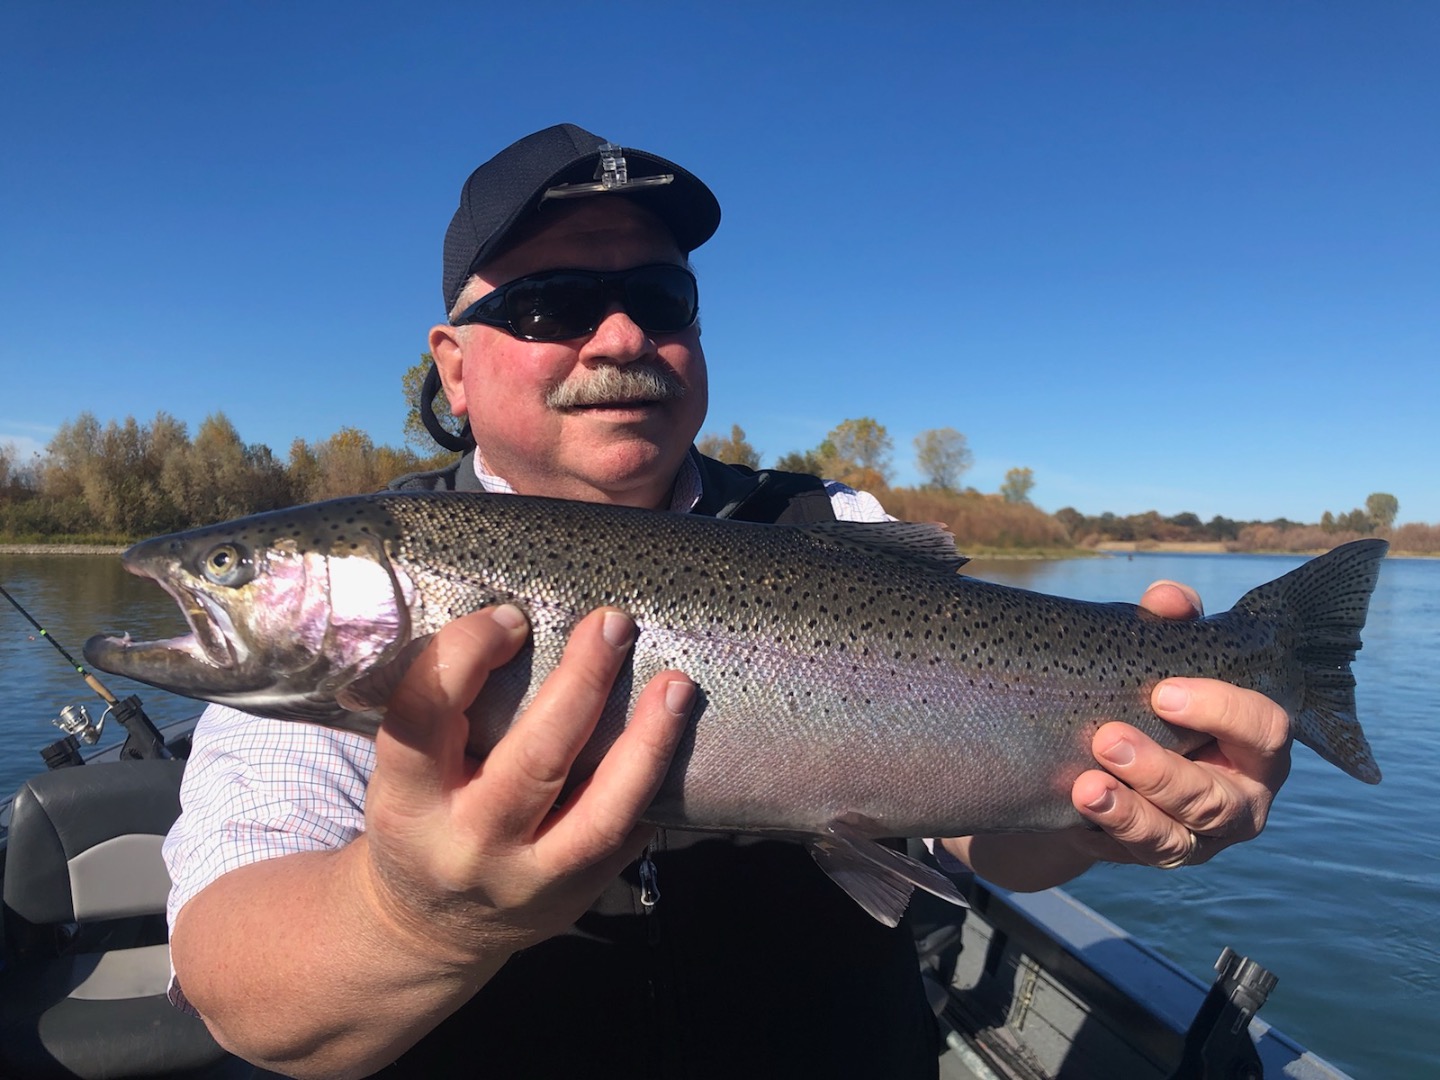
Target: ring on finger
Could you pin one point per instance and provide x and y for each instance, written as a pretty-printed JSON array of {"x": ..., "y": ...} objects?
[{"x": 1183, "y": 859}]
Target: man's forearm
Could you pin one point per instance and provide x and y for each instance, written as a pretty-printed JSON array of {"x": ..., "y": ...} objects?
[
  {"x": 295, "y": 967},
  {"x": 1025, "y": 862}
]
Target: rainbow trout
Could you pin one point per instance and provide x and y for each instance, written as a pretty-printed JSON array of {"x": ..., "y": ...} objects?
[{"x": 853, "y": 684}]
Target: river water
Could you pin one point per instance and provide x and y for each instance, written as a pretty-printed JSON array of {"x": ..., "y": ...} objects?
[{"x": 1340, "y": 897}]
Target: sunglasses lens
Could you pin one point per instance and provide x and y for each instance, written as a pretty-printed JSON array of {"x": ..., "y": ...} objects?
[
  {"x": 563, "y": 304},
  {"x": 661, "y": 299},
  {"x": 555, "y": 307}
]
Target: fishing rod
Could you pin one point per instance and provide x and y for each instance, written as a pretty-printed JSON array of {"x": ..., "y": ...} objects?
[
  {"x": 142, "y": 740},
  {"x": 94, "y": 683}
]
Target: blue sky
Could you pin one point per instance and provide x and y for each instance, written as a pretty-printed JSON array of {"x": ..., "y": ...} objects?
[{"x": 1170, "y": 256}]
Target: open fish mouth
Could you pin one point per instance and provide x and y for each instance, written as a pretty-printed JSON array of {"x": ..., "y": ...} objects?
[
  {"x": 212, "y": 638},
  {"x": 212, "y": 643}
]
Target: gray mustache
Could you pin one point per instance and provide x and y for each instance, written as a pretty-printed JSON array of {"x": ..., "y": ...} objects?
[{"x": 608, "y": 385}]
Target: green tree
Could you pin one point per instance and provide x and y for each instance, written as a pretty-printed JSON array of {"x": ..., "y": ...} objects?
[
  {"x": 1072, "y": 520},
  {"x": 302, "y": 472},
  {"x": 1356, "y": 520},
  {"x": 9, "y": 474},
  {"x": 122, "y": 484},
  {"x": 411, "y": 383},
  {"x": 1018, "y": 484},
  {"x": 346, "y": 465},
  {"x": 1222, "y": 528},
  {"x": 1382, "y": 508},
  {"x": 219, "y": 476},
  {"x": 943, "y": 456},
  {"x": 802, "y": 461},
  {"x": 857, "y": 452},
  {"x": 736, "y": 449},
  {"x": 70, "y": 457}
]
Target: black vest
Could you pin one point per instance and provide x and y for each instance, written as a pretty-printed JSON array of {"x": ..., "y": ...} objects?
[{"x": 752, "y": 965}]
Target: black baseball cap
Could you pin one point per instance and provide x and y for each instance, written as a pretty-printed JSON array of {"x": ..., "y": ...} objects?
[{"x": 559, "y": 163}]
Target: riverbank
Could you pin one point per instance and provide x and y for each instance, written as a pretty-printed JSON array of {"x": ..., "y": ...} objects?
[
  {"x": 61, "y": 549},
  {"x": 1188, "y": 547},
  {"x": 1169, "y": 547},
  {"x": 1114, "y": 547}
]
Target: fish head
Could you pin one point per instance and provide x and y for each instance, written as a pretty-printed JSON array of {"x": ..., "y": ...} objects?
[{"x": 285, "y": 610}]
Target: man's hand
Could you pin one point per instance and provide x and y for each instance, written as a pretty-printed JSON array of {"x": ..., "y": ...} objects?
[
  {"x": 469, "y": 856},
  {"x": 461, "y": 863},
  {"x": 1153, "y": 805},
  {"x": 1152, "y": 801}
]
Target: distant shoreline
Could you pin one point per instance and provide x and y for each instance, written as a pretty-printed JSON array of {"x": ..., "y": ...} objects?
[
  {"x": 61, "y": 549},
  {"x": 1191, "y": 547},
  {"x": 1113, "y": 547},
  {"x": 1217, "y": 547}
]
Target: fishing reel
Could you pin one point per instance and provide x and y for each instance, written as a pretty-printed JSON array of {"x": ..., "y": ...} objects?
[
  {"x": 75, "y": 720},
  {"x": 143, "y": 740}
]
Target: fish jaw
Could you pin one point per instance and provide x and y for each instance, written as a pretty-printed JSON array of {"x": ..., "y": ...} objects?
[{"x": 281, "y": 636}]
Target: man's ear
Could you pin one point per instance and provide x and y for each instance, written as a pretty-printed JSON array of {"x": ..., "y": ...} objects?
[{"x": 450, "y": 362}]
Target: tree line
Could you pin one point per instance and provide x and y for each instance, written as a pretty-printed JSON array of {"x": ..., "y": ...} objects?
[
  {"x": 126, "y": 479},
  {"x": 859, "y": 452}
]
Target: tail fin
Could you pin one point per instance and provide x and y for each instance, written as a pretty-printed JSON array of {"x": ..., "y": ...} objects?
[{"x": 1329, "y": 597}]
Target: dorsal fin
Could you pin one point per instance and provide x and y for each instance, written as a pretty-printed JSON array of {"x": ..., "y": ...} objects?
[{"x": 928, "y": 544}]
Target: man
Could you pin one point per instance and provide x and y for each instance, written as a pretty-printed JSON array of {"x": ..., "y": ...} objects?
[{"x": 340, "y": 904}]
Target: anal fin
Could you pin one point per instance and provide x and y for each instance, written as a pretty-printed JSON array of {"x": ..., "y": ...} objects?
[{"x": 876, "y": 877}]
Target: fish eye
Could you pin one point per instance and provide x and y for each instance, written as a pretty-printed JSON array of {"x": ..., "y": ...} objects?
[{"x": 228, "y": 564}]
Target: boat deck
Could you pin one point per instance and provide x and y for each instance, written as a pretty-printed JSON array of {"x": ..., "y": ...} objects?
[{"x": 1038, "y": 986}]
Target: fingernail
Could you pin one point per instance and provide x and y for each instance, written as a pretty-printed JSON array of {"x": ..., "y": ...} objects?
[
  {"x": 1104, "y": 804},
  {"x": 617, "y": 628},
  {"x": 509, "y": 616},
  {"x": 1119, "y": 753},
  {"x": 679, "y": 696},
  {"x": 1171, "y": 698}
]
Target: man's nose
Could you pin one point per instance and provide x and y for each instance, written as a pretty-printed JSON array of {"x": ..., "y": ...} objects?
[{"x": 618, "y": 338}]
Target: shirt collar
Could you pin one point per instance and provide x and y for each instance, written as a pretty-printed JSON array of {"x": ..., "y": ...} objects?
[{"x": 684, "y": 496}]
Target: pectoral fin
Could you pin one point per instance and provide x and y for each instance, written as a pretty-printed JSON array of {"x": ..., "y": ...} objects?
[{"x": 877, "y": 878}]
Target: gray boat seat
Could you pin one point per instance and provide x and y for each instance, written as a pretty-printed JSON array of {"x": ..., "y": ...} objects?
[{"x": 87, "y": 960}]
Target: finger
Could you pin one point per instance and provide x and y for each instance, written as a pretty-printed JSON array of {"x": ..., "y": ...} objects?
[
  {"x": 601, "y": 815},
  {"x": 424, "y": 719},
  {"x": 1139, "y": 830},
  {"x": 526, "y": 771},
  {"x": 1171, "y": 600},
  {"x": 1191, "y": 795},
  {"x": 1252, "y": 733}
]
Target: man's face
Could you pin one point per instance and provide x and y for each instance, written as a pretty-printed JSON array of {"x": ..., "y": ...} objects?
[{"x": 620, "y": 451}]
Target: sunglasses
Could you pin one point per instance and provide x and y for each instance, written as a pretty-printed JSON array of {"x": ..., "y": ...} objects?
[{"x": 561, "y": 304}]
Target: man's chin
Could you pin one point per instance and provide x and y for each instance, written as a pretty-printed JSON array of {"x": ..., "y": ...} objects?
[{"x": 636, "y": 470}]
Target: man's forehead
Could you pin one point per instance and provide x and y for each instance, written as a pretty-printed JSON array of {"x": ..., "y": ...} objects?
[{"x": 585, "y": 230}]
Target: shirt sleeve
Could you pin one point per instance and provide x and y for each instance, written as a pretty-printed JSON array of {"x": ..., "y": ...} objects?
[
  {"x": 257, "y": 789},
  {"x": 852, "y": 505}
]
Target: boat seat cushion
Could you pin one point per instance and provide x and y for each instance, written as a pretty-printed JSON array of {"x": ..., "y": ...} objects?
[
  {"x": 83, "y": 870},
  {"x": 85, "y": 842}
]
